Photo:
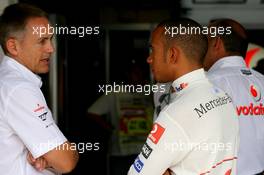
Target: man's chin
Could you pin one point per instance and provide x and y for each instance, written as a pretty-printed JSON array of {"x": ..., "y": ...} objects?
[{"x": 42, "y": 71}]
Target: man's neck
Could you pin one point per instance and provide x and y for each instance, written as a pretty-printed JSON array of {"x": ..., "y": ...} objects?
[{"x": 186, "y": 70}]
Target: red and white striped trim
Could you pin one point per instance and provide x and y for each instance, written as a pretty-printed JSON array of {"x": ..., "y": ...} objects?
[{"x": 219, "y": 163}]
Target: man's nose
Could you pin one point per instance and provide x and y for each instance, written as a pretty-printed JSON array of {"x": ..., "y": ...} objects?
[{"x": 50, "y": 48}]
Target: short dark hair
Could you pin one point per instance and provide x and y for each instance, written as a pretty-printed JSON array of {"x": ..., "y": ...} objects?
[
  {"x": 14, "y": 19},
  {"x": 236, "y": 43},
  {"x": 193, "y": 44}
]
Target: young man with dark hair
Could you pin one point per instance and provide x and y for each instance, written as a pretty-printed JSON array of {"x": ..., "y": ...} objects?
[{"x": 197, "y": 132}]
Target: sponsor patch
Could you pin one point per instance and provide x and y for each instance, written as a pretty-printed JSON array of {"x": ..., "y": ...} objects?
[
  {"x": 256, "y": 110},
  {"x": 181, "y": 87},
  {"x": 255, "y": 92},
  {"x": 39, "y": 108},
  {"x": 138, "y": 165},
  {"x": 43, "y": 116},
  {"x": 203, "y": 108},
  {"x": 156, "y": 133},
  {"x": 245, "y": 72},
  {"x": 146, "y": 150},
  {"x": 252, "y": 109}
]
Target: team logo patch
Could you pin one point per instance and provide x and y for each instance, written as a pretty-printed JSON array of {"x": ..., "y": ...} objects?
[
  {"x": 255, "y": 92},
  {"x": 138, "y": 165},
  {"x": 146, "y": 150},
  {"x": 156, "y": 133}
]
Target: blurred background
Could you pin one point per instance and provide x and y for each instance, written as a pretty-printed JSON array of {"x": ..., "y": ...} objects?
[{"x": 81, "y": 64}]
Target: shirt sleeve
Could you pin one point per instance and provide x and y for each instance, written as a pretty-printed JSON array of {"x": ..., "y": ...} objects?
[
  {"x": 166, "y": 145},
  {"x": 30, "y": 118}
]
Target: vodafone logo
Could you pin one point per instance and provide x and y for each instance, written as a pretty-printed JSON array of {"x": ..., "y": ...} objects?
[
  {"x": 252, "y": 109},
  {"x": 255, "y": 92},
  {"x": 257, "y": 110},
  {"x": 154, "y": 129},
  {"x": 156, "y": 133}
]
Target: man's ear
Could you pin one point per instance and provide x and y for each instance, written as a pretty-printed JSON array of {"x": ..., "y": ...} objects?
[
  {"x": 218, "y": 43},
  {"x": 12, "y": 46},
  {"x": 173, "y": 55}
]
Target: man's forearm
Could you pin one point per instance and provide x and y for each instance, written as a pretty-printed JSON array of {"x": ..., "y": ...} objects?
[{"x": 63, "y": 159}]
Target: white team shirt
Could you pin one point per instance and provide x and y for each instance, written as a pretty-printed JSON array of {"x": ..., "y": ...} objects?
[
  {"x": 196, "y": 134},
  {"x": 26, "y": 123},
  {"x": 246, "y": 87}
]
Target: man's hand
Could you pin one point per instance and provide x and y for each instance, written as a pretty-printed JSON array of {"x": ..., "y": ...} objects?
[
  {"x": 167, "y": 172},
  {"x": 39, "y": 164}
]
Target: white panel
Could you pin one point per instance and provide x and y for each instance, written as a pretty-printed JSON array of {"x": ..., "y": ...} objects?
[
  {"x": 251, "y": 19},
  {"x": 249, "y": 14}
]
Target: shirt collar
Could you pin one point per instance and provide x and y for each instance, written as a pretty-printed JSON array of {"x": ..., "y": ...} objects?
[
  {"x": 185, "y": 80},
  {"x": 25, "y": 72},
  {"x": 229, "y": 61}
]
